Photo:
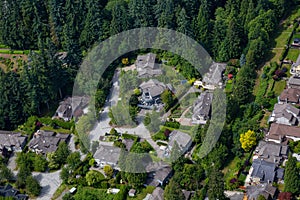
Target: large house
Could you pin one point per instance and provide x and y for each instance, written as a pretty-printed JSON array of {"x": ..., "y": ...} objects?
[
  {"x": 107, "y": 155},
  {"x": 44, "y": 142},
  {"x": 294, "y": 82},
  {"x": 214, "y": 77},
  {"x": 151, "y": 91},
  {"x": 72, "y": 107},
  {"x": 202, "y": 108},
  {"x": 271, "y": 152},
  {"x": 290, "y": 95},
  {"x": 295, "y": 68},
  {"x": 285, "y": 114},
  {"x": 9, "y": 192},
  {"x": 10, "y": 142},
  {"x": 278, "y": 132},
  {"x": 266, "y": 190},
  {"x": 183, "y": 140},
  {"x": 263, "y": 171},
  {"x": 158, "y": 173},
  {"x": 146, "y": 66},
  {"x": 157, "y": 194}
]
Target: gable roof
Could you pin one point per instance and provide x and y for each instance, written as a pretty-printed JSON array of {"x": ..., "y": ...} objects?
[
  {"x": 108, "y": 154},
  {"x": 266, "y": 190},
  {"x": 146, "y": 66},
  {"x": 271, "y": 152},
  {"x": 294, "y": 81},
  {"x": 73, "y": 106},
  {"x": 202, "y": 105},
  {"x": 279, "y": 108},
  {"x": 153, "y": 87},
  {"x": 290, "y": 95},
  {"x": 157, "y": 194},
  {"x": 214, "y": 76},
  {"x": 278, "y": 131},
  {"x": 182, "y": 139},
  {"x": 264, "y": 170},
  {"x": 47, "y": 141},
  {"x": 11, "y": 139}
]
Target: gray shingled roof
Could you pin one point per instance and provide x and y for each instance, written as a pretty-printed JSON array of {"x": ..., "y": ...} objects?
[
  {"x": 11, "y": 139},
  {"x": 153, "y": 87},
  {"x": 294, "y": 81},
  {"x": 264, "y": 170},
  {"x": 214, "y": 76},
  {"x": 47, "y": 141},
  {"x": 182, "y": 139},
  {"x": 266, "y": 190},
  {"x": 202, "y": 105},
  {"x": 271, "y": 152},
  {"x": 108, "y": 154},
  {"x": 146, "y": 66}
]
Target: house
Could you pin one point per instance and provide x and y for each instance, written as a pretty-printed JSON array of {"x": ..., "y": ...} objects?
[
  {"x": 271, "y": 152},
  {"x": 262, "y": 171},
  {"x": 202, "y": 108},
  {"x": 72, "y": 107},
  {"x": 188, "y": 194},
  {"x": 10, "y": 142},
  {"x": 234, "y": 195},
  {"x": 278, "y": 132},
  {"x": 285, "y": 114},
  {"x": 131, "y": 192},
  {"x": 151, "y": 91},
  {"x": 290, "y": 95},
  {"x": 128, "y": 143},
  {"x": 107, "y": 155},
  {"x": 44, "y": 142},
  {"x": 158, "y": 173},
  {"x": 8, "y": 191},
  {"x": 146, "y": 66},
  {"x": 214, "y": 77},
  {"x": 294, "y": 82},
  {"x": 295, "y": 68},
  {"x": 157, "y": 194},
  {"x": 183, "y": 140},
  {"x": 266, "y": 190}
]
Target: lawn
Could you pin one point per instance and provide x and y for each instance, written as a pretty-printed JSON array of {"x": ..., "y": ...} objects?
[
  {"x": 59, "y": 191},
  {"x": 279, "y": 87},
  {"x": 293, "y": 54},
  {"x": 59, "y": 130},
  {"x": 281, "y": 40}
]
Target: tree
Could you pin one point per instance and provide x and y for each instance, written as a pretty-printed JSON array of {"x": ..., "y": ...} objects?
[
  {"x": 52, "y": 161},
  {"x": 93, "y": 177},
  {"x": 108, "y": 170},
  {"x": 216, "y": 185},
  {"x": 32, "y": 186},
  {"x": 183, "y": 24},
  {"x": 291, "y": 177},
  {"x": 173, "y": 191},
  {"x": 39, "y": 163},
  {"x": 64, "y": 174},
  {"x": 248, "y": 140},
  {"x": 261, "y": 197},
  {"x": 24, "y": 172},
  {"x": 62, "y": 153},
  {"x": 5, "y": 173},
  {"x": 73, "y": 160}
]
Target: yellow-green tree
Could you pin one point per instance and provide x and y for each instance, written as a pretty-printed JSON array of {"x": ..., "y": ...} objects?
[{"x": 248, "y": 140}]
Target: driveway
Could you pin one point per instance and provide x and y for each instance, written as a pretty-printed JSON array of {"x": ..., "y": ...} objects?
[
  {"x": 102, "y": 126},
  {"x": 49, "y": 182}
]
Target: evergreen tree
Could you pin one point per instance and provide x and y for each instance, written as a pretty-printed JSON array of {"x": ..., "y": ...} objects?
[
  {"x": 216, "y": 185},
  {"x": 291, "y": 177}
]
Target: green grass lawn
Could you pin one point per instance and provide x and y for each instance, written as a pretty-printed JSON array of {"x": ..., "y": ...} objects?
[
  {"x": 59, "y": 130},
  {"x": 281, "y": 40},
  {"x": 293, "y": 54},
  {"x": 279, "y": 87}
]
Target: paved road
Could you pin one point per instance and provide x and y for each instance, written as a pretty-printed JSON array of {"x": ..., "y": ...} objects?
[{"x": 49, "y": 182}]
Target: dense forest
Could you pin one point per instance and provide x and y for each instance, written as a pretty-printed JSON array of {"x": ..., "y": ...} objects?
[{"x": 227, "y": 29}]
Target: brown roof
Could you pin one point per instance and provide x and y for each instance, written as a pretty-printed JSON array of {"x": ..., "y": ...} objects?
[
  {"x": 290, "y": 95},
  {"x": 278, "y": 131}
]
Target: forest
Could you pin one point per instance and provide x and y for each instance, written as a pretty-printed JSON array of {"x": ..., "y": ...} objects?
[{"x": 229, "y": 29}]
